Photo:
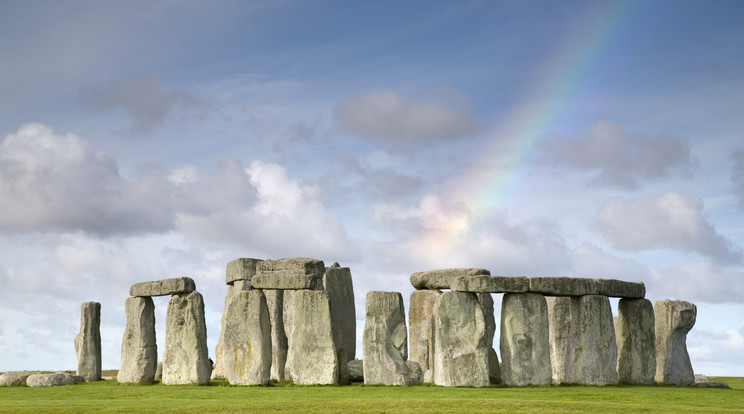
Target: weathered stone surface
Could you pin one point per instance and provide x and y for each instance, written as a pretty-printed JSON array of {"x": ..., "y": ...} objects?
[
  {"x": 241, "y": 269},
  {"x": 159, "y": 372},
  {"x": 88, "y": 342},
  {"x": 288, "y": 320},
  {"x": 414, "y": 372},
  {"x": 562, "y": 331},
  {"x": 563, "y": 286},
  {"x": 460, "y": 349},
  {"x": 385, "y": 340},
  {"x": 525, "y": 348},
  {"x": 338, "y": 283},
  {"x": 294, "y": 273},
  {"x": 421, "y": 327},
  {"x": 186, "y": 358},
  {"x": 620, "y": 288},
  {"x": 15, "y": 378},
  {"x": 494, "y": 369},
  {"x": 275, "y": 305},
  {"x": 442, "y": 278},
  {"x": 51, "y": 380},
  {"x": 233, "y": 289},
  {"x": 491, "y": 284},
  {"x": 312, "y": 351},
  {"x": 163, "y": 287},
  {"x": 673, "y": 319},
  {"x": 356, "y": 370},
  {"x": 246, "y": 353},
  {"x": 139, "y": 352},
  {"x": 636, "y": 343}
]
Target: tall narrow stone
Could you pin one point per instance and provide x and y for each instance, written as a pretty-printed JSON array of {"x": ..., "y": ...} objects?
[
  {"x": 562, "y": 332},
  {"x": 340, "y": 287},
  {"x": 636, "y": 343},
  {"x": 288, "y": 321},
  {"x": 525, "y": 349},
  {"x": 312, "y": 353},
  {"x": 88, "y": 342},
  {"x": 486, "y": 303},
  {"x": 460, "y": 349},
  {"x": 674, "y": 319},
  {"x": 247, "y": 348},
  {"x": 186, "y": 358},
  {"x": 275, "y": 305},
  {"x": 421, "y": 329},
  {"x": 385, "y": 340},
  {"x": 139, "y": 352}
]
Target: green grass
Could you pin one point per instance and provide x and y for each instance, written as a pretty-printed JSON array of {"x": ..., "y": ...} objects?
[{"x": 109, "y": 396}]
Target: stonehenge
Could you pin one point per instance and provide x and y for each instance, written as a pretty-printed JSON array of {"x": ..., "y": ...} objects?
[
  {"x": 88, "y": 342},
  {"x": 385, "y": 341},
  {"x": 673, "y": 319}
]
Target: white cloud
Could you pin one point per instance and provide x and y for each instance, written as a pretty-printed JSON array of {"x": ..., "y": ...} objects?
[
  {"x": 621, "y": 159},
  {"x": 672, "y": 220},
  {"x": 385, "y": 115},
  {"x": 698, "y": 281}
]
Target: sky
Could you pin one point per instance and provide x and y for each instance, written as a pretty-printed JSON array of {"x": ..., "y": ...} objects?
[{"x": 147, "y": 140}]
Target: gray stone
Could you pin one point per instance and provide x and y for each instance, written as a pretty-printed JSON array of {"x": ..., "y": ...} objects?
[
  {"x": 636, "y": 344},
  {"x": 442, "y": 278},
  {"x": 673, "y": 320},
  {"x": 294, "y": 273},
  {"x": 15, "y": 378},
  {"x": 159, "y": 372},
  {"x": 338, "y": 283},
  {"x": 620, "y": 289},
  {"x": 491, "y": 284},
  {"x": 51, "y": 380},
  {"x": 233, "y": 289},
  {"x": 460, "y": 349},
  {"x": 275, "y": 305},
  {"x": 88, "y": 342},
  {"x": 563, "y": 286},
  {"x": 385, "y": 340},
  {"x": 494, "y": 367},
  {"x": 414, "y": 372},
  {"x": 421, "y": 327},
  {"x": 711, "y": 384},
  {"x": 525, "y": 348},
  {"x": 186, "y": 357},
  {"x": 312, "y": 354},
  {"x": 246, "y": 353},
  {"x": 562, "y": 331},
  {"x": 356, "y": 370},
  {"x": 288, "y": 320},
  {"x": 163, "y": 287},
  {"x": 241, "y": 269},
  {"x": 139, "y": 352},
  {"x": 486, "y": 303}
]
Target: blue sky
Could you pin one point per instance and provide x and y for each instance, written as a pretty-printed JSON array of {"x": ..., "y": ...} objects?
[{"x": 147, "y": 140}]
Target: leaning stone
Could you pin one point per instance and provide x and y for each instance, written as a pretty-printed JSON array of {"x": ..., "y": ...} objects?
[
  {"x": 442, "y": 278},
  {"x": 246, "y": 353},
  {"x": 563, "y": 286},
  {"x": 312, "y": 354},
  {"x": 186, "y": 357},
  {"x": 338, "y": 283},
  {"x": 460, "y": 349},
  {"x": 525, "y": 348},
  {"x": 139, "y": 352},
  {"x": 295, "y": 273},
  {"x": 385, "y": 340},
  {"x": 620, "y": 289},
  {"x": 356, "y": 370},
  {"x": 673, "y": 320},
  {"x": 594, "y": 359},
  {"x": 15, "y": 378},
  {"x": 51, "y": 380},
  {"x": 491, "y": 284},
  {"x": 636, "y": 344},
  {"x": 421, "y": 327},
  {"x": 163, "y": 287},
  {"x": 88, "y": 342},
  {"x": 275, "y": 305},
  {"x": 240, "y": 269}
]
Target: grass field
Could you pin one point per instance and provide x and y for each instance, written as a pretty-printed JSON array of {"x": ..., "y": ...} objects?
[{"x": 109, "y": 396}]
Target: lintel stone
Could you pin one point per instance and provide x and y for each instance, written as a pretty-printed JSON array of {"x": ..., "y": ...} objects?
[
  {"x": 163, "y": 287},
  {"x": 491, "y": 284},
  {"x": 240, "y": 269},
  {"x": 621, "y": 289},
  {"x": 294, "y": 273},
  {"x": 563, "y": 286},
  {"x": 443, "y": 278}
]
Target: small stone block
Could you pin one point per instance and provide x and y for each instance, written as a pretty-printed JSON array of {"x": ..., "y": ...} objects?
[
  {"x": 240, "y": 269},
  {"x": 163, "y": 287},
  {"x": 563, "y": 286},
  {"x": 491, "y": 284},
  {"x": 443, "y": 278}
]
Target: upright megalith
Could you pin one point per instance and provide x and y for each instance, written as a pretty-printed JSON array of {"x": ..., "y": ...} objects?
[
  {"x": 312, "y": 356},
  {"x": 139, "y": 352},
  {"x": 275, "y": 306},
  {"x": 88, "y": 342},
  {"x": 385, "y": 341},
  {"x": 460, "y": 349},
  {"x": 636, "y": 343},
  {"x": 246, "y": 352},
  {"x": 494, "y": 369},
  {"x": 525, "y": 348},
  {"x": 293, "y": 273},
  {"x": 443, "y": 278},
  {"x": 561, "y": 334},
  {"x": 340, "y": 287},
  {"x": 421, "y": 329},
  {"x": 674, "y": 318},
  {"x": 186, "y": 358}
]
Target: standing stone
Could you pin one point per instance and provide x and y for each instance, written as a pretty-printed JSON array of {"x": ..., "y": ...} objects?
[
  {"x": 186, "y": 358},
  {"x": 421, "y": 329},
  {"x": 460, "y": 349},
  {"x": 486, "y": 303},
  {"x": 233, "y": 289},
  {"x": 139, "y": 352},
  {"x": 275, "y": 305},
  {"x": 312, "y": 351},
  {"x": 561, "y": 336},
  {"x": 246, "y": 352},
  {"x": 385, "y": 341},
  {"x": 339, "y": 285},
  {"x": 88, "y": 342},
  {"x": 674, "y": 318},
  {"x": 636, "y": 344},
  {"x": 525, "y": 348},
  {"x": 288, "y": 322}
]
